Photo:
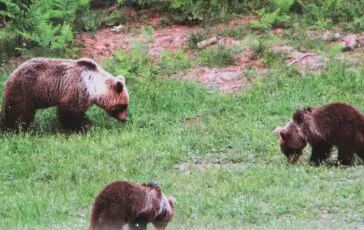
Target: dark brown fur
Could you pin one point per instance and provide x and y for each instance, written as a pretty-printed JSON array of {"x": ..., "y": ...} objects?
[
  {"x": 44, "y": 82},
  {"x": 336, "y": 124},
  {"x": 137, "y": 205}
]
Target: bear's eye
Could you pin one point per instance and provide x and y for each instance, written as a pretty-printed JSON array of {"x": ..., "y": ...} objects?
[{"x": 119, "y": 107}]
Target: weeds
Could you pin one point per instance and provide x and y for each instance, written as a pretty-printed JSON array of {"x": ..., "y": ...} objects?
[
  {"x": 195, "y": 38},
  {"x": 222, "y": 56}
]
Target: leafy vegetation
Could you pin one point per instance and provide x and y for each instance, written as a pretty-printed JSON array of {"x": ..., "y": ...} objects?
[
  {"x": 221, "y": 56},
  {"x": 45, "y": 25}
]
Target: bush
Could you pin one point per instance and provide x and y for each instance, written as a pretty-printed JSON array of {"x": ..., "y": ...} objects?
[
  {"x": 43, "y": 25},
  {"x": 336, "y": 11}
]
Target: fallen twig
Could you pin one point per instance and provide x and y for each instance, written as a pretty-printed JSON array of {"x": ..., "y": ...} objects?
[{"x": 299, "y": 59}]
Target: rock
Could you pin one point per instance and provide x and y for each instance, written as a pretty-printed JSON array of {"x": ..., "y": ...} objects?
[
  {"x": 208, "y": 42},
  {"x": 118, "y": 29},
  {"x": 361, "y": 40},
  {"x": 307, "y": 62},
  {"x": 349, "y": 42},
  {"x": 331, "y": 36}
]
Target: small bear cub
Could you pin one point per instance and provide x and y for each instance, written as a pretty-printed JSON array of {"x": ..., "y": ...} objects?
[
  {"x": 136, "y": 205},
  {"x": 70, "y": 85},
  {"x": 336, "y": 124}
]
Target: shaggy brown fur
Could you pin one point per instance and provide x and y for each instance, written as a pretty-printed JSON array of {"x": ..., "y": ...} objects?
[
  {"x": 336, "y": 124},
  {"x": 137, "y": 205},
  {"x": 71, "y": 85}
]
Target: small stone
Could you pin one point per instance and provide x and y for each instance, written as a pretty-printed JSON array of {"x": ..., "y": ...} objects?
[
  {"x": 349, "y": 42},
  {"x": 331, "y": 36},
  {"x": 208, "y": 42},
  {"x": 117, "y": 29},
  {"x": 361, "y": 40}
]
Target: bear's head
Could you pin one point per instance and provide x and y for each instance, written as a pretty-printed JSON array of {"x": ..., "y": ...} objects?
[
  {"x": 166, "y": 213},
  {"x": 117, "y": 99},
  {"x": 107, "y": 91},
  {"x": 291, "y": 141}
]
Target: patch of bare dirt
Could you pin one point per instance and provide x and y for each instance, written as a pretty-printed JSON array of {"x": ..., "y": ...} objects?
[{"x": 225, "y": 79}]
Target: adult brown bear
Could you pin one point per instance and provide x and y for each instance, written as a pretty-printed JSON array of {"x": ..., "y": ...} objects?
[
  {"x": 71, "y": 85},
  {"x": 336, "y": 124},
  {"x": 122, "y": 202}
]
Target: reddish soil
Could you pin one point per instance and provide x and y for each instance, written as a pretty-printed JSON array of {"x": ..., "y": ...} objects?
[{"x": 225, "y": 79}]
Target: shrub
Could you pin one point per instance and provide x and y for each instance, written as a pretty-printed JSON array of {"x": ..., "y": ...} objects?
[
  {"x": 46, "y": 25},
  {"x": 276, "y": 13}
]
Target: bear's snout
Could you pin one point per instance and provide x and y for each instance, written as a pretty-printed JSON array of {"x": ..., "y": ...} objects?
[{"x": 123, "y": 116}]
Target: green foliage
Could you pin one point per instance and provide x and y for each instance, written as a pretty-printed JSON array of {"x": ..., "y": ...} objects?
[
  {"x": 170, "y": 62},
  {"x": 222, "y": 56},
  {"x": 202, "y": 10},
  {"x": 238, "y": 31},
  {"x": 336, "y": 11},
  {"x": 266, "y": 22},
  {"x": 334, "y": 50},
  {"x": 46, "y": 25},
  {"x": 358, "y": 25},
  {"x": 135, "y": 64},
  {"x": 276, "y": 13}
]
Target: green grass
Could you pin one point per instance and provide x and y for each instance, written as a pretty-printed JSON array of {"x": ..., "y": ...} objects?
[{"x": 215, "y": 153}]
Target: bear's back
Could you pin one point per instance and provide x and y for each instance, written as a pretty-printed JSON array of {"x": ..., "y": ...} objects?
[{"x": 337, "y": 122}]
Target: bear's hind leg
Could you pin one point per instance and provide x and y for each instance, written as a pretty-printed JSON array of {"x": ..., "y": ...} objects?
[
  {"x": 360, "y": 152},
  {"x": 346, "y": 153},
  {"x": 18, "y": 117},
  {"x": 73, "y": 121},
  {"x": 320, "y": 153}
]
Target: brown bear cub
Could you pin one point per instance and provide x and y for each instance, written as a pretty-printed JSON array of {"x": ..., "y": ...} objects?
[
  {"x": 71, "y": 85},
  {"x": 336, "y": 124},
  {"x": 136, "y": 205}
]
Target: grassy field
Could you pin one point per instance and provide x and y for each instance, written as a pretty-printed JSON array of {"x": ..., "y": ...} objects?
[{"x": 215, "y": 153}]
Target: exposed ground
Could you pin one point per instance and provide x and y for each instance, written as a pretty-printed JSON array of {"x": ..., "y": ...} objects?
[{"x": 231, "y": 78}]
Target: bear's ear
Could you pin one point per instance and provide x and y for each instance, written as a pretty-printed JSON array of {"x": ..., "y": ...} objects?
[
  {"x": 119, "y": 86},
  {"x": 171, "y": 200},
  {"x": 153, "y": 185},
  {"x": 121, "y": 78},
  {"x": 284, "y": 135},
  {"x": 308, "y": 109},
  {"x": 277, "y": 131},
  {"x": 88, "y": 63},
  {"x": 298, "y": 116}
]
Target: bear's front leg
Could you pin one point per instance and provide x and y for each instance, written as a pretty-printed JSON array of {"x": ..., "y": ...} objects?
[
  {"x": 320, "y": 153},
  {"x": 139, "y": 223},
  {"x": 73, "y": 121}
]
